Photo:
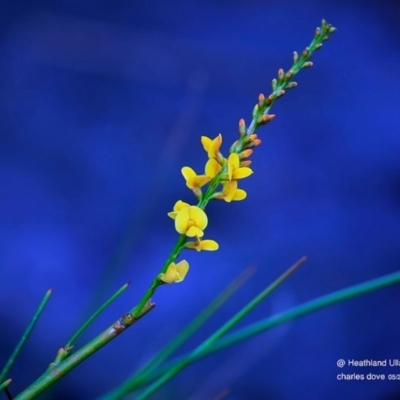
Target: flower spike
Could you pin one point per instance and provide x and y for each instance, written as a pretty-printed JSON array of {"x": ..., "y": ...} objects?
[{"x": 221, "y": 175}]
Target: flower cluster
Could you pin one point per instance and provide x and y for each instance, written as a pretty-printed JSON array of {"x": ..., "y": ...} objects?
[{"x": 221, "y": 175}]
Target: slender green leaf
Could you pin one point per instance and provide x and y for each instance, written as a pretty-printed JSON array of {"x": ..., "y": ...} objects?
[
  {"x": 25, "y": 336},
  {"x": 276, "y": 320},
  {"x": 96, "y": 314},
  {"x": 141, "y": 376},
  {"x": 221, "y": 331},
  {"x": 5, "y": 384}
]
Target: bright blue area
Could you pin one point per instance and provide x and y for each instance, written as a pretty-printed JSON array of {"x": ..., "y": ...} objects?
[{"x": 101, "y": 105}]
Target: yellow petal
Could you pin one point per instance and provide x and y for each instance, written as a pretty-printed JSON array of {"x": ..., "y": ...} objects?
[
  {"x": 172, "y": 214},
  {"x": 170, "y": 274},
  {"x": 182, "y": 269},
  {"x": 180, "y": 204},
  {"x": 197, "y": 181},
  {"x": 206, "y": 142},
  {"x": 194, "y": 231},
  {"x": 234, "y": 160},
  {"x": 182, "y": 219},
  {"x": 212, "y": 167},
  {"x": 241, "y": 173},
  {"x": 239, "y": 195},
  {"x": 209, "y": 245},
  {"x": 177, "y": 207},
  {"x": 233, "y": 164},
  {"x": 215, "y": 146},
  {"x": 188, "y": 173},
  {"x": 229, "y": 190},
  {"x": 198, "y": 216}
]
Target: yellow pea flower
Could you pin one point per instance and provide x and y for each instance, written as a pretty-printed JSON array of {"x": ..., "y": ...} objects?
[
  {"x": 194, "y": 181},
  {"x": 231, "y": 192},
  {"x": 235, "y": 171},
  {"x": 191, "y": 221},
  {"x": 212, "y": 168},
  {"x": 212, "y": 146},
  {"x": 175, "y": 272},
  {"x": 177, "y": 207},
  {"x": 208, "y": 245}
]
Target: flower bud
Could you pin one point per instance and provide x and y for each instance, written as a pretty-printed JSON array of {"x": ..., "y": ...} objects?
[
  {"x": 307, "y": 64},
  {"x": 245, "y": 163},
  {"x": 305, "y": 53},
  {"x": 245, "y": 154},
  {"x": 261, "y": 100},
  {"x": 256, "y": 110},
  {"x": 291, "y": 85},
  {"x": 242, "y": 127}
]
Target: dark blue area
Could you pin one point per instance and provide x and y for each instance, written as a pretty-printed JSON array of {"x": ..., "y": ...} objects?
[{"x": 102, "y": 104}]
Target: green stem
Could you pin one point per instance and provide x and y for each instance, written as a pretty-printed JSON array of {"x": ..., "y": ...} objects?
[
  {"x": 154, "y": 285},
  {"x": 25, "y": 335},
  {"x": 220, "y": 332},
  {"x": 54, "y": 373}
]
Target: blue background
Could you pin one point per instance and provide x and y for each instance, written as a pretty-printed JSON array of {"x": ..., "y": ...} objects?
[{"x": 101, "y": 105}]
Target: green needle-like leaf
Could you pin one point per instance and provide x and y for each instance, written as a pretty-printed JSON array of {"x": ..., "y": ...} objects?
[
  {"x": 276, "y": 320},
  {"x": 5, "y": 384},
  {"x": 142, "y": 376},
  {"x": 221, "y": 331},
  {"x": 25, "y": 336},
  {"x": 96, "y": 314}
]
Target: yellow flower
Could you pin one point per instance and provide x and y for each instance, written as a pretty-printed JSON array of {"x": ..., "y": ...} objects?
[
  {"x": 194, "y": 181},
  {"x": 191, "y": 221},
  {"x": 175, "y": 272},
  {"x": 235, "y": 171},
  {"x": 212, "y": 146},
  {"x": 209, "y": 245},
  {"x": 231, "y": 192},
  {"x": 177, "y": 207},
  {"x": 212, "y": 168}
]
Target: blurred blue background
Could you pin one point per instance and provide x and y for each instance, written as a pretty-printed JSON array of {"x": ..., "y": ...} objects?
[{"x": 101, "y": 105}]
